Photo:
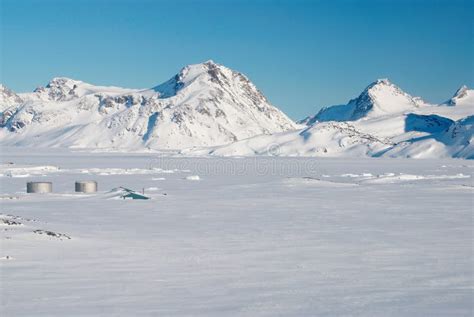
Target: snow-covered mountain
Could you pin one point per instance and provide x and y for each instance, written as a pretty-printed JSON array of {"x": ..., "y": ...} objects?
[
  {"x": 208, "y": 109},
  {"x": 382, "y": 121},
  {"x": 204, "y": 105},
  {"x": 381, "y": 98}
]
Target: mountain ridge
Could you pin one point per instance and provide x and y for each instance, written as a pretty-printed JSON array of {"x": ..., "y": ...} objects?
[
  {"x": 209, "y": 109},
  {"x": 383, "y": 121},
  {"x": 204, "y": 104}
]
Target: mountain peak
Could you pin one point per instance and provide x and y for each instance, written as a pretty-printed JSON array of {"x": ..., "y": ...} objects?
[
  {"x": 8, "y": 97},
  {"x": 59, "y": 89},
  {"x": 461, "y": 92},
  {"x": 192, "y": 71},
  {"x": 5, "y": 90},
  {"x": 203, "y": 74},
  {"x": 210, "y": 62},
  {"x": 463, "y": 95},
  {"x": 380, "y": 98},
  {"x": 203, "y": 105},
  {"x": 383, "y": 81},
  {"x": 63, "y": 81}
]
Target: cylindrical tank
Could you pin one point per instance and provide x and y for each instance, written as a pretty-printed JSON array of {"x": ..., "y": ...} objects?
[
  {"x": 86, "y": 186},
  {"x": 39, "y": 187}
]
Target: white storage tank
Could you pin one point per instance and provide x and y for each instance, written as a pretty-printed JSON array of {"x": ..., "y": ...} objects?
[
  {"x": 39, "y": 187},
  {"x": 86, "y": 186}
]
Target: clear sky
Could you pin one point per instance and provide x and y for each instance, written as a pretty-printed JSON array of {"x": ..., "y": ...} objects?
[{"x": 302, "y": 54}]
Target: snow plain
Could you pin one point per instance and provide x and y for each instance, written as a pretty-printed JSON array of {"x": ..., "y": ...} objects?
[{"x": 255, "y": 236}]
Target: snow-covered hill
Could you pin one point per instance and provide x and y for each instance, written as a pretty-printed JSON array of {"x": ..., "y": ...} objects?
[
  {"x": 382, "y": 121},
  {"x": 325, "y": 139},
  {"x": 204, "y": 105}
]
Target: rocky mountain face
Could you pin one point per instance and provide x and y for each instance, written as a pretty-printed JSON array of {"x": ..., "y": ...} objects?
[{"x": 204, "y": 105}]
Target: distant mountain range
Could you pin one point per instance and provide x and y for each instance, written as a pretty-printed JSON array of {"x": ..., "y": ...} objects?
[{"x": 208, "y": 109}]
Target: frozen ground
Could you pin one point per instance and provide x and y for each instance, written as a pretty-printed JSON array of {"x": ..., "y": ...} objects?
[{"x": 242, "y": 237}]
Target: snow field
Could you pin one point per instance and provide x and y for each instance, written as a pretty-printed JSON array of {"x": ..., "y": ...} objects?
[{"x": 254, "y": 237}]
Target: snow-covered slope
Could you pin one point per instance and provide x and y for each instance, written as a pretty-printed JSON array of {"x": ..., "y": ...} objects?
[
  {"x": 440, "y": 139},
  {"x": 204, "y": 105},
  {"x": 325, "y": 139},
  {"x": 382, "y": 121}
]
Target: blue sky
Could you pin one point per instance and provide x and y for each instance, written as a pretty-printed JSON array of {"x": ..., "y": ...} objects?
[{"x": 302, "y": 54}]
